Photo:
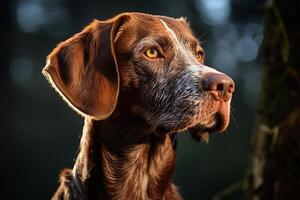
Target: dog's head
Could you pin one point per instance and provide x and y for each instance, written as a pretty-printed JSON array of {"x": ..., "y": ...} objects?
[{"x": 157, "y": 59}]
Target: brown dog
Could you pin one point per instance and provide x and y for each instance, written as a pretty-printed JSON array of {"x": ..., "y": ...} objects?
[{"x": 137, "y": 79}]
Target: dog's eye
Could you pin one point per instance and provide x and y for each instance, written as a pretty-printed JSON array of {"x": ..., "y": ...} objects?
[
  {"x": 199, "y": 55},
  {"x": 152, "y": 53}
]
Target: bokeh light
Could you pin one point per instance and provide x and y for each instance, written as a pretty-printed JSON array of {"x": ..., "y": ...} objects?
[
  {"x": 30, "y": 16},
  {"x": 214, "y": 12},
  {"x": 21, "y": 70}
]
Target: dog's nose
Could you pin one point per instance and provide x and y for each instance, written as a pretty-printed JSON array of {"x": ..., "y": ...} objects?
[{"x": 221, "y": 85}]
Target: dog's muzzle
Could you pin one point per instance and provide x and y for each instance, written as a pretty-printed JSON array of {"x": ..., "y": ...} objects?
[{"x": 221, "y": 88}]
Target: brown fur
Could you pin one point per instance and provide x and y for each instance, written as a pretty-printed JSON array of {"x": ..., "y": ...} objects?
[{"x": 122, "y": 155}]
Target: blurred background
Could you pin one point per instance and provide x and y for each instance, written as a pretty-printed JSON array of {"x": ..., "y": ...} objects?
[{"x": 40, "y": 133}]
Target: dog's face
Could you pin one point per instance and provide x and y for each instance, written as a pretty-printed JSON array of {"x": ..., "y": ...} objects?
[
  {"x": 159, "y": 59},
  {"x": 164, "y": 63}
]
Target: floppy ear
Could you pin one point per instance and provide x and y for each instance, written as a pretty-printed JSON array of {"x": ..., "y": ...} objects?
[{"x": 84, "y": 69}]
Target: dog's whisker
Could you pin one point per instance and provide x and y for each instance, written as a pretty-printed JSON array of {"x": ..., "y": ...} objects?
[
  {"x": 233, "y": 118},
  {"x": 203, "y": 34}
]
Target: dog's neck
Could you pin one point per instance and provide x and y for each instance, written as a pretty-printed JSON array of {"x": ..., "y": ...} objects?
[{"x": 120, "y": 160}]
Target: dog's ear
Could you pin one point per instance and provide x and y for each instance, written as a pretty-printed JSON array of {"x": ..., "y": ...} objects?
[{"x": 84, "y": 69}]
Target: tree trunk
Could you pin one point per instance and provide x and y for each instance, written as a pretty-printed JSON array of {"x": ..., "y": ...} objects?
[{"x": 275, "y": 163}]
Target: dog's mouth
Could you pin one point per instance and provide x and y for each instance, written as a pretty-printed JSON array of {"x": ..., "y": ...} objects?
[
  {"x": 214, "y": 118},
  {"x": 215, "y": 122}
]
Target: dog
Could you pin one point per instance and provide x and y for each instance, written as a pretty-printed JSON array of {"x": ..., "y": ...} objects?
[{"x": 137, "y": 79}]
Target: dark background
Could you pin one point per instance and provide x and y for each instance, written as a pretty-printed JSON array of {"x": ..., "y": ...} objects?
[{"x": 40, "y": 133}]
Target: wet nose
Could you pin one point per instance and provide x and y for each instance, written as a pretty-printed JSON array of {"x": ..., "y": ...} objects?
[{"x": 221, "y": 85}]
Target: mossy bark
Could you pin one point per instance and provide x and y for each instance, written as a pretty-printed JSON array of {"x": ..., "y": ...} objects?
[{"x": 275, "y": 162}]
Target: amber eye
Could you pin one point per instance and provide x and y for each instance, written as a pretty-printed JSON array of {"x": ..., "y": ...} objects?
[
  {"x": 199, "y": 55},
  {"x": 152, "y": 53}
]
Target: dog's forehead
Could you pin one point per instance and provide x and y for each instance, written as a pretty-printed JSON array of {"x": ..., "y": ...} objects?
[
  {"x": 178, "y": 26},
  {"x": 143, "y": 25}
]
